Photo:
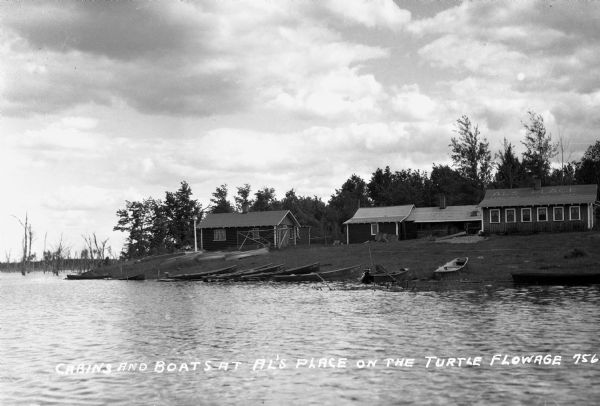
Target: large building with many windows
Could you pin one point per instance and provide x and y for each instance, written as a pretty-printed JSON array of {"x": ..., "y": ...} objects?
[{"x": 539, "y": 209}]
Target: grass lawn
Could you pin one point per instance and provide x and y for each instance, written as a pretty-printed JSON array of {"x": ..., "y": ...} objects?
[{"x": 491, "y": 259}]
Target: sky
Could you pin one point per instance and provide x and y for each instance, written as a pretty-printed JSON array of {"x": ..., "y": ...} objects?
[{"x": 103, "y": 102}]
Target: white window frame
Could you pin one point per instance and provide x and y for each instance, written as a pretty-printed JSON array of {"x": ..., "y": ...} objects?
[
  {"x": 538, "y": 214},
  {"x": 376, "y": 228},
  {"x": 562, "y": 209},
  {"x": 506, "y": 215},
  {"x": 217, "y": 232},
  {"x": 578, "y": 213},
  {"x": 494, "y": 210},
  {"x": 530, "y": 215}
]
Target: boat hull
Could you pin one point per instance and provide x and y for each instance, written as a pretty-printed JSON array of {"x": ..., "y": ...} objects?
[
  {"x": 202, "y": 275},
  {"x": 301, "y": 270},
  {"x": 540, "y": 278},
  {"x": 389, "y": 277},
  {"x": 338, "y": 275},
  {"x": 87, "y": 276},
  {"x": 451, "y": 269},
  {"x": 139, "y": 277}
]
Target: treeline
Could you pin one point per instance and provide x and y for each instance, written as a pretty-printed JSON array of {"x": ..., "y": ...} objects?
[
  {"x": 159, "y": 226},
  {"x": 60, "y": 256}
]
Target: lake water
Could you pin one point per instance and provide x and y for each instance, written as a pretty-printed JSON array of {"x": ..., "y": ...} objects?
[{"x": 54, "y": 331}]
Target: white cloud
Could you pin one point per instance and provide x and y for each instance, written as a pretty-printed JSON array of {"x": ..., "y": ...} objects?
[
  {"x": 371, "y": 13},
  {"x": 412, "y": 105}
]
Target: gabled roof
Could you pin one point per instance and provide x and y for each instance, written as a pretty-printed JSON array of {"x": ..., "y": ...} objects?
[
  {"x": 250, "y": 219},
  {"x": 449, "y": 214},
  {"x": 389, "y": 214},
  {"x": 544, "y": 196}
]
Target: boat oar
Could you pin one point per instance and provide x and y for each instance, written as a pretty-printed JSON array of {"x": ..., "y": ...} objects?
[{"x": 323, "y": 279}]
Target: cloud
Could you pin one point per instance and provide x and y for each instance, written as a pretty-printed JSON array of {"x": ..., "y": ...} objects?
[
  {"x": 412, "y": 105},
  {"x": 372, "y": 14},
  {"x": 179, "y": 59}
]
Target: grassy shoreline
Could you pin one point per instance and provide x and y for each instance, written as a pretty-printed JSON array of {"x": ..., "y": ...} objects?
[{"x": 491, "y": 259}]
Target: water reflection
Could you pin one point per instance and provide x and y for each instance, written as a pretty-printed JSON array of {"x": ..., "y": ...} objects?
[{"x": 46, "y": 321}]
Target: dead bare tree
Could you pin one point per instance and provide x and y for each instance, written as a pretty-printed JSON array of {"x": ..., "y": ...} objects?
[
  {"x": 564, "y": 148},
  {"x": 97, "y": 248},
  {"x": 60, "y": 253},
  {"x": 26, "y": 242}
]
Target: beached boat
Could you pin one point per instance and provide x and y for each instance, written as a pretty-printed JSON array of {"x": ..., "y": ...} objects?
[
  {"x": 451, "y": 268},
  {"x": 553, "y": 278},
  {"x": 235, "y": 276},
  {"x": 301, "y": 270},
  {"x": 168, "y": 280},
  {"x": 138, "y": 277},
  {"x": 390, "y": 276},
  {"x": 342, "y": 274},
  {"x": 245, "y": 254},
  {"x": 88, "y": 275},
  {"x": 201, "y": 275}
]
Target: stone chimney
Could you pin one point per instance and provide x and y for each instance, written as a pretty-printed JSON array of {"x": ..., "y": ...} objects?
[
  {"x": 245, "y": 207},
  {"x": 537, "y": 183}
]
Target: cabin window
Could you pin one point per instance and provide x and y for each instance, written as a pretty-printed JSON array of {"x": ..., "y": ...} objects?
[
  {"x": 219, "y": 234},
  {"x": 542, "y": 214},
  {"x": 374, "y": 228},
  {"x": 574, "y": 213},
  {"x": 526, "y": 215},
  {"x": 559, "y": 214},
  {"x": 254, "y": 233},
  {"x": 494, "y": 216},
  {"x": 511, "y": 215}
]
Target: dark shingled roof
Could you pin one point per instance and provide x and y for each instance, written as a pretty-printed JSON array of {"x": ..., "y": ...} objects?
[
  {"x": 389, "y": 214},
  {"x": 250, "y": 219},
  {"x": 544, "y": 196}
]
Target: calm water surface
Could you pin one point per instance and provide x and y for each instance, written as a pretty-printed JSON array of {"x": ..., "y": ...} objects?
[{"x": 48, "y": 324}]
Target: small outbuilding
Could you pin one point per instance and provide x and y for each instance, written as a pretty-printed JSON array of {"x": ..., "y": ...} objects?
[
  {"x": 371, "y": 223},
  {"x": 539, "y": 209},
  {"x": 220, "y": 231}
]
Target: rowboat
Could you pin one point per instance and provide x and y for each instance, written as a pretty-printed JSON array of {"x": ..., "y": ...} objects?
[
  {"x": 301, "y": 270},
  {"x": 245, "y": 254},
  {"x": 138, "y": 277},
  {"x": 389, "y": 277},
  {"x": 342, "y": 274},
  {"x": 201, "y": 275},
  {"x": 88, "y": 275},
  {"x": 547, "y": 278},
  {"x": 451, "y": 268}
]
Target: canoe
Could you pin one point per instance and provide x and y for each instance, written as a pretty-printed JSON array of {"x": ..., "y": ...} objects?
[
  {"x": 547, "y": 278},
  {"x": 87, "y": 275},
  {"x": 201, "y": 275},
  {"x": 138, "y": 277},
  {"x": 301, "y": 270},
  {"x": 451, "y": 268},
  {"x": 245, "y": 254},
  {"x": 342, "y": 274}
]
